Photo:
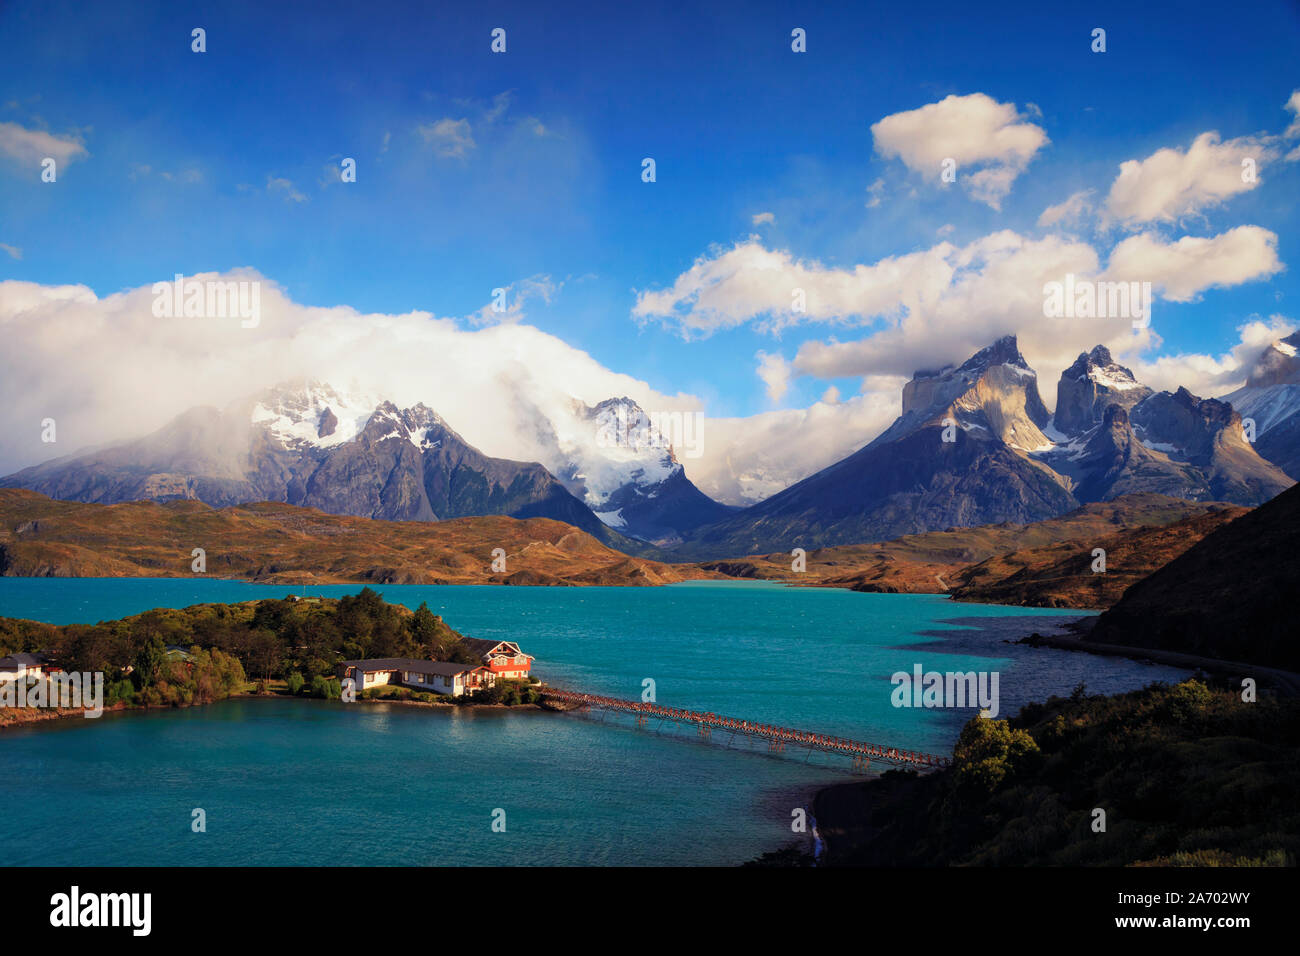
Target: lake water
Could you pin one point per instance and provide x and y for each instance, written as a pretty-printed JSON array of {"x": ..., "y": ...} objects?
[{"x": 311, "y": 782}]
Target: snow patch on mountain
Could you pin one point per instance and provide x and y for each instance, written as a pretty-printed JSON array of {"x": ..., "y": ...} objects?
[
  {"x": 612, "y": 447},
  {"x": 293, "y": 414},
  {"x": 613, "y": 518},
  {"x": 1114, "y": 376},
  {"x": 1268, "y": 406}
]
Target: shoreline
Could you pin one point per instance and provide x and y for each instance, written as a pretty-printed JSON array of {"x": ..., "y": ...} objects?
[
  {"x": 707, "y": 577},
  {"x": 845, "y": 811},
  {"x": 29, "y": 716},
  {"x": 1287, "y": 682}
]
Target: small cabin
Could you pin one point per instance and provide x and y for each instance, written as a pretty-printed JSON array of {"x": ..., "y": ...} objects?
[
  {"x": 502, "y": 658},
  {"x": 439, "y": 677}
]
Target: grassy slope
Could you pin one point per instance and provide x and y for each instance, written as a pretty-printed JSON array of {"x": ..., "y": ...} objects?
[
  {"x": 278, "y": 543},
  {"x": 1047, "y": 563},
  {"x": 1061, "y": 575},
  {"x": 954, "y": 560}
]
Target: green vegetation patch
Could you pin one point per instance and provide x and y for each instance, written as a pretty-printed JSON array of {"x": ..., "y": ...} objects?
[{"x": 1187, "y": 775}]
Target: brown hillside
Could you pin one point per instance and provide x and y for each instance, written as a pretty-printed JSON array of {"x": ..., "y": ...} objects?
[
  {"x": 943, "y": 561},
  {"x": 282, "y": 544},
  {"x": 1061, "y": 575}
]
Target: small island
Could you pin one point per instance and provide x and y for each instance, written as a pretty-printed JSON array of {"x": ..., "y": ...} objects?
[{"x": 291, "y": 646}]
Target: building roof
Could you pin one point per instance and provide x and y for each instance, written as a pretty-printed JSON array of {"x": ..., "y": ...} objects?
[
  {"x": 483, "y": 647},
  {"x": 442, "y": 668},
  {"x": 480, "y": 645},
  {"x": 24, "y": 660}
]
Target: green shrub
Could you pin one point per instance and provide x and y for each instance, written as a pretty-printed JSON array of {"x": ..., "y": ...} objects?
[
  {"x": 327, "y": 688},
  {"x": 1188, "y": 701},
  {"x": 295, "y": 682},
  {"x": 119, "y": 692},
  {"x": 989, "y": 752}
]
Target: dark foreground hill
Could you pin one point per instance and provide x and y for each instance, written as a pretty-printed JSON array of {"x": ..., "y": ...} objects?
[
  {"x": 1231, "y": 596},
  {"x": 1186, "y": 775}
]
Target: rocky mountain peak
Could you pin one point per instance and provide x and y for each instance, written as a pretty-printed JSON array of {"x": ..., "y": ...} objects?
[
  {"x": 1185, "y": 426},
  {"x": 1005, "y": 351},
  {"x": 328, "y": 423},
  {"x": 1279, "y": 364},
  {"x": 1100, "y": 356},
  {"x": 1088, "y": 387},
  {"x": 993, "y": 394},
  {"x": 1116, "y": 415}
]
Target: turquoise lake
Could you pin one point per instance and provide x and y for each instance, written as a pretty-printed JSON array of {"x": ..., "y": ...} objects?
[{"x": 315, "y": 783}]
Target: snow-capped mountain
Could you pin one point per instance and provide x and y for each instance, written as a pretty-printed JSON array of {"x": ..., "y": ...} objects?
[
  {"x": 1111, "y": 435},
  {"x": 975, "y": 445},
  {"x": 1271, "y": 398},
  {"x": 621, "y": 463},
  {"x": 314, "y": 445},
  {"x": 312, "y": 414},
  {"x": 957, "y": 456}
]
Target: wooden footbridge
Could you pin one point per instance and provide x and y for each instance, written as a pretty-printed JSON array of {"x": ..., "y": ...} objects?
[{"x": 777, "y": 738}]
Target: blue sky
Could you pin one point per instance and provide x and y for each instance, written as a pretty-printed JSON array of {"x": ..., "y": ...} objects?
[{"x": 238, "y": 142}]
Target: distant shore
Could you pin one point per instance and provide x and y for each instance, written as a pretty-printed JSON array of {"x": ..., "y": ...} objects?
[{"x": 26, "y": 716}]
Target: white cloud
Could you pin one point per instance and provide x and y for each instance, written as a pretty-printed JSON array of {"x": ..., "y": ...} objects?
[
  {"x": 189, "y": 176},
  {"x": 75, "y": 357},
  {"x": 990, "y": 141},
  {"x": 748, "y": 459},
  {"x": 286, "y": 187},
  {"x": 515, "y": 295},
  {"x": 942, "y": 304},
  {"x": 13, "y": 251},
  {"x": 875, "y": 193},
  {"x": 1214, "y": 375},
  {"x": 30, "y": 146},
  {"x": 748, "y": 281},
  {"x": 1183, "y": 269},
  {"x": 1170, "y": 183},
  {"x": 999, "y": 275},
  {"x": 500, "y": 103},
  {"x": 1293, "y": 105},
  {"x": 760, "y": 218},
  {"x": 449, "y": 137},
  {"x": 774, "y": 370},
  {"x": 1070, "y": 211}
]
